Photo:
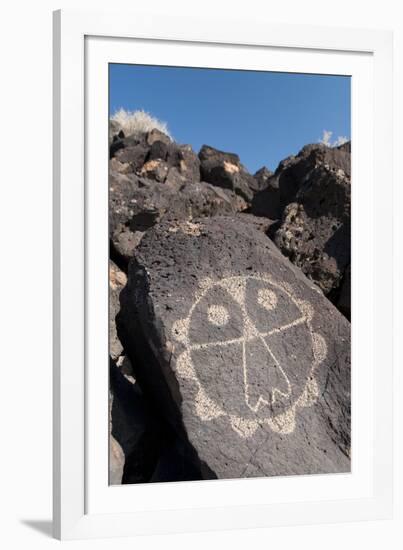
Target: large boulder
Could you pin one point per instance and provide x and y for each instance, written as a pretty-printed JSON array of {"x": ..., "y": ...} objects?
[
  {"x": 225, "y": 170},
  {"x": 170, "y": 159},
  {"x": 156, "y": 135},
  {"x": 293, "y": 171},
  {"x": 153, "y": 155},
  {"x": 137, "y": 203},
  {"x": 132, "y": 150},
  {"x": 315, "y": 228},
  {"x": 244, "y": 356}
]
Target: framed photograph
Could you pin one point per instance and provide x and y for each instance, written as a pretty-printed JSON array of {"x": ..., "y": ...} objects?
[{"x": 223, "y": 297}]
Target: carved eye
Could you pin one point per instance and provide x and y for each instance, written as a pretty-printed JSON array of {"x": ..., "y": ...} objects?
[
  {"x": 218, "y": 315},
  {"x": 267, "y": 299}
]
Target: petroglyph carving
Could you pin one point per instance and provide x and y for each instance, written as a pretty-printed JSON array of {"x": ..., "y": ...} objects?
[
  {"x": 218, "y": 315},
  {"x": 245, "y": 329}
]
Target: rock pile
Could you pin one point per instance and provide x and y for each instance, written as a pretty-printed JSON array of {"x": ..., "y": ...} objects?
[
  {"x": 231, "y": 356},
  {"x": 315, "y": 188}
]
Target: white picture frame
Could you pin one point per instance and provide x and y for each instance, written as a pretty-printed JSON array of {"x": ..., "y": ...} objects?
[{"x": 84, "y": 505}]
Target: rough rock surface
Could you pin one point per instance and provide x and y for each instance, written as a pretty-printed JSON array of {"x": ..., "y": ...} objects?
[
  {"x": 114, "y": 130},
  {"x": 244, "y": 356},
  {"x": 262, "y": 177},
  {"x": 154, "y": 155},
  {"x": 136, "y": 204},
  {"x": 178, "y": 462},
  {"x": 132, "y": 150},
  {"x": 156, "y": 135},
  {"x": 315, "y": 228},
  {"x": 225, "y": 170},
  {"x": 138, "y": 439},
  {"x": 262, "y": 223},
  {"x": 344, "y": 301},
  {"x": 117, "y": 280},
  {"x": 266, "y": 202},
  {"x": 143, "y": 447},
  {"x": 116, "y": 454},
  {"x": 345, "y": 147},
  {"x": 293, "y": 171}
]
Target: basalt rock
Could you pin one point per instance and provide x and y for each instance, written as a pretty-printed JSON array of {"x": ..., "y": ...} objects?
[
  {"x": 152, "y": 155},
  {"x": 266, "y": 202},
  {"x": 117, "y": 280},
  {"x": 137, "y": 203},
  {"x": 114, "y": 130},
  {"x": 133, "y": 148},
  {"x": 344, "y": 300},
  {"x": 186, "y": 162},
  {"x": 156, "y": 169},
  {"x": 242, "y": 354},
  {"x": 143, "y": 447},
  {"x": 315, "y": 228},
  {"x": 262, "y": 177},
  {"x": 294, "y": 171},
  {"x": 137, "y": 437},
  {"x": 225, "y": 170},
  {"x": 116, "y": 454},
  {"x": 261, "y": 223},
  {"x": 156, "y": 135},
  {"x": 345, "y": 147}
]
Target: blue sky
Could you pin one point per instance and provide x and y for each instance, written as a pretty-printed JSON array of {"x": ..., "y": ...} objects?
[{"x": 262, "y": 116}]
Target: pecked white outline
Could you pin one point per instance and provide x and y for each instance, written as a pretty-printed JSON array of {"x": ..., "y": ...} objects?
[{"x": 205, "y": 407}]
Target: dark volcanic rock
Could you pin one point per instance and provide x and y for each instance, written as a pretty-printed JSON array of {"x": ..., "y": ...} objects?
[
  {"x": 130, "y": 150},
  {"x": 315, "y": 229},
  {"x": 114, "y": 130},
  {"x": 345, "y": 147},
  {"x": 179, "y": 158},
  {"x": 293, "y": 174},
  {"x": 152, "y": 155},
  {"x": 155, "y": 169},
  {"x": 293, "y": 171},
  {"x": 262, "y": 177},
  {"x": 225, "y": 170},
  {"x": 136, "y": 204},
  {"x": 177, "y": 463},
  {"x": 142, "y": 446},
  {"x": 267, "y": 201},
  {"x": 116, "y": 457},
  {"x": 258, "y": 222},
  {"x": 156, "y": 135},
  {"x": 344, "y": 301},
  {"x": 138, "y": 439},
  {"x": 247, "y": 359},
  {"x": 185, "y": 161},
  {"x": 159, "y": 150},
  {"x": 117, "y": 280}
]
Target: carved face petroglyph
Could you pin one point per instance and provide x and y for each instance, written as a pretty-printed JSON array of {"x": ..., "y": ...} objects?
[{"x": 250, "y": 349}]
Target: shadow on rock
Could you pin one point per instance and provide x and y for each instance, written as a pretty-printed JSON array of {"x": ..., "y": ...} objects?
[{"x": 151, "y": 449}]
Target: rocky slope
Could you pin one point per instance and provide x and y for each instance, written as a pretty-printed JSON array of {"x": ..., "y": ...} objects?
[{"x": 230, "y": 356}]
